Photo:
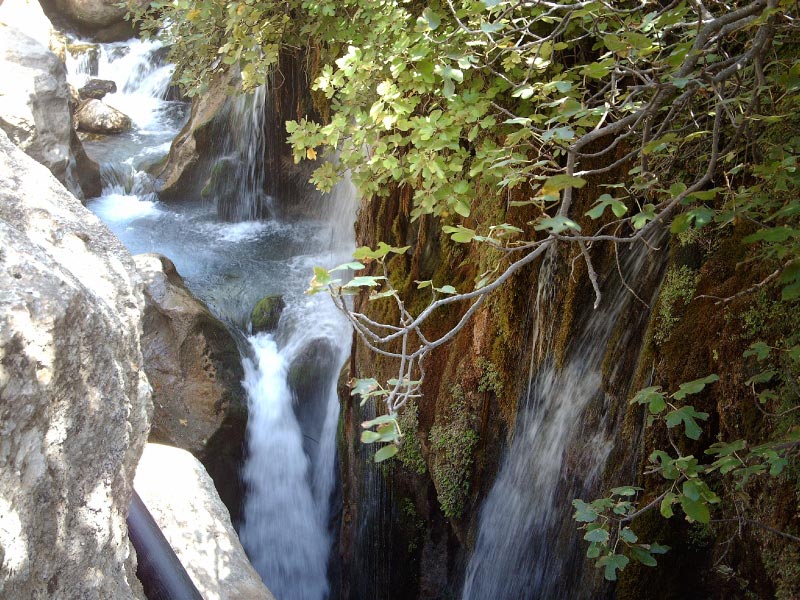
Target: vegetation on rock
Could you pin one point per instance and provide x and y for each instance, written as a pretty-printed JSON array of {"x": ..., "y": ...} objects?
[{"x": 692, "y": 102}]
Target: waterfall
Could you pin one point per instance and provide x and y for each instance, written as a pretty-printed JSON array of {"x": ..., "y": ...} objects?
[
  {"x": 527, "y": 545},
  {"x": 230, "y": 262},
  {"x": 238, "y": 177},
  {"x": 294, "y": 410}
]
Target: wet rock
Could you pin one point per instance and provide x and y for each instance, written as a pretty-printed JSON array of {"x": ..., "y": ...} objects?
[
  {"x": 86, "y": 55},
  {"x": 195, "y": 369},
  {"x": 267, "y": 313},
  {"x": 178, "y": 173},
  {"x": 34, "y": 104},
  {"x": 97, "y": 89},
  {"x": 183, "y": 501},
  {"x": 87, "y": 171},
  {"x": 74, "y": 400},
  {"x": 94, "y": 116}
]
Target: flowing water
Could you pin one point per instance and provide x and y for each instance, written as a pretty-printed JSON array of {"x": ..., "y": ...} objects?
[
  {"x": 527, "y": 545},
  {"x": 231, "y": 260}
]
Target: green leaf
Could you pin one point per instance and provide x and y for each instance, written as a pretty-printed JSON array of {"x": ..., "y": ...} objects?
[
  {"x": 694, "y": 387},
  {"x": 492, "y": 27},
  {"x": 687, "y": 415},
  {"x": 696, "y": 510},
  {"x": 659, "y": 549},
  {"x": 385, "y": 453},
  {"x": 355, "y": 266},
  {"x": 364, "y": 387},
  {"x": 598, "y": 534},
  {"x": 381, "y": 420},
  {"x": 431, "y": 18},
  {"x": 560, "y": 182},
  {"x": 612, "y": 563},
  {"x": 643, "y": 556},
  {"x": 368, "y": 437},
  {"x": 666, "y": 505},
  {"x": 447, "y": 289},
  {"x": 691, "y": 489},
  {"x": 364, "y": 281},
  {"x": 557, "y": 224},
  {"x": 774, "y": 234},
  {"x": 758, "y": 349},
  {"x": 381, "y": 252},
  {"x": 625, "y": 490},
  {"x": 763, "y": 377},
  {"x": 584, "y": 513},
  {"x": 627, "y": 535},
  {"x": 653, "y": 397},
  {"x": 459, "y": 234}
]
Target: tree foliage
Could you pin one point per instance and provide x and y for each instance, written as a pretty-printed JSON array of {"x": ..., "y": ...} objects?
[{"x": 527, "y": 101}]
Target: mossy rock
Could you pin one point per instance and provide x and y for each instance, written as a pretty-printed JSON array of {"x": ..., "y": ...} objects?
[{"x": 267, "y": 313}]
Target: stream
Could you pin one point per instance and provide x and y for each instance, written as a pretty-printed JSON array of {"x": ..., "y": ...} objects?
[
  {"x": 233, "y": 244},
  {"x": 291, "y": 374}
]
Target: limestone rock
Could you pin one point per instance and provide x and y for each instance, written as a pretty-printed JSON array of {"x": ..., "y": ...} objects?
[
  {"x": 74, "y": 400},
  {"x": 97, "y": 89},
  {"x": 195, "y": 369},
  {"x": 87, "y": 171},
  {"x": 34, "y": 104},
  {"x": 177, "y": 173},
  {"x": 28, "y": 17},
  {"x": 93, "y": 14},
  {"x": 95, "y": 116},
  {"x": 181, "y": 497},
  {"x": 267, "y": 313}
]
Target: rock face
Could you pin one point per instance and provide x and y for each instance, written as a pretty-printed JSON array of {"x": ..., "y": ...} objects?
[
  {"x": 95, "y": 116},
  {"x": 194, "y": 367},
  {"x": 177, "y": 173},
  {"x": 34, "y": 104},
  {"x": 74, "y": 400},
  {"x": 183, "y": 501},
  {"x": 27, "y": 16},
  {"x": 97, "y": 89},
  {"x": 94, "y": 14}
]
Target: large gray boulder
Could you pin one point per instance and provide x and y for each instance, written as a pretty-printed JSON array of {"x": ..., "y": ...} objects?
[
  {"x": 34, "y": 107},
  {"x": 102, "y": 20},
  {"x": 183, "y": 501},
  {"x": 195, "y": 369},
  {"x": 28, "y": 17},
  {"x": 74, "y": 400},
  {"x": 95, "y": 116}
]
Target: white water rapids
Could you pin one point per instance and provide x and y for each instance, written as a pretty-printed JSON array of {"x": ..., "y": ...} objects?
[{"x": 290, "y": 374}]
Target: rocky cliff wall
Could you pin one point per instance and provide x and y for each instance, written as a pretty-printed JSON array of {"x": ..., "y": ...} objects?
[{"x": 74, "y": 400}]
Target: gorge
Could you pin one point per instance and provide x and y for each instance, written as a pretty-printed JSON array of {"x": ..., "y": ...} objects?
[{"x": 522, "y": 461}]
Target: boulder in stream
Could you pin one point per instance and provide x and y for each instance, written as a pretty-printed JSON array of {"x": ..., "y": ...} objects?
[
  {"x": 195, "y": 369},
  {"x": 97, "y": 89},
  {"x": 183, "y": 501},
  {"x": 102, "y": 20},
  {"x": 267, "y": 313},
  {"x": 95, "y": 116},
  {"x": 34, "y": 105},
  {"x": 74, "y": 400}
]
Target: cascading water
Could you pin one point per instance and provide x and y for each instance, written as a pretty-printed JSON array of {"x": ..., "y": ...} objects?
[
  {"x": 294, "y": 410},
  {"x": 527, "y": 546},
  {"x": 291, "y": 374},
  {"x": 238, "y": 177}
]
